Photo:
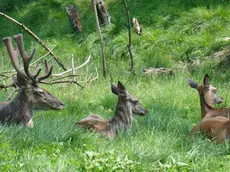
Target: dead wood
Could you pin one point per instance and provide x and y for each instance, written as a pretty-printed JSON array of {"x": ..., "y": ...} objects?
[
  {"x": 74, "y": 18},
  {"x": 158, "y": 71}
]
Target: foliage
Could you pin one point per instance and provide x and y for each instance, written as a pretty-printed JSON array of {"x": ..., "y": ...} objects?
[{"x": 175, "y": 34}]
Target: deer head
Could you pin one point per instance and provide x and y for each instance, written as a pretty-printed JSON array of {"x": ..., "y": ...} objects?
[
  {"x": 207, "y": 91},
  {"x": 28, "y": 83},
  {"x": 208, "y": 94},
  {"x": 136, "y": 106}
]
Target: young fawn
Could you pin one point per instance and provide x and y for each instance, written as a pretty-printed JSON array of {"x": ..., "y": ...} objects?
[
  {"x": 215, "y": 121},
  {"x": 127, "y": 106},
  {"x": 30, "y": 95}
]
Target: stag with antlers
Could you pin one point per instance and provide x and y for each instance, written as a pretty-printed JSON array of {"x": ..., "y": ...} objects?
[{"x": 30, "y": 96}]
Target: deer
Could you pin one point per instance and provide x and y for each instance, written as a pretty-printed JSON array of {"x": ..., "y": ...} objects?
[
  {"x": 215, "y": 122},
  {"x": 216, "y": 128},
  {"x": 30, "y": 96},
  {"x": 208, "y": 97},
  {"x": 127, "y": 105}
]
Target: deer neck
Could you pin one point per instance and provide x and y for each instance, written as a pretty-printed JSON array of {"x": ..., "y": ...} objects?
[
  {"x": 122, "y": 118},
  {"x": 205, "y": 105},
  {"x": 24, "y": 103},
  {"x": 20, "y": 110}
]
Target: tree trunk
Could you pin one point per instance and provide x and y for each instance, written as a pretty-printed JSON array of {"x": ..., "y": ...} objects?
[
  {"x": 74, "y": 17},
  {"x": 130, "y": 38},
  {"x": 102, "y": 12},
  {"x": 101, "y": 40}
]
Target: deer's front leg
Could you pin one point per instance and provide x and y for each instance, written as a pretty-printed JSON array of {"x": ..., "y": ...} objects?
[{"x": 30, "y": 123}]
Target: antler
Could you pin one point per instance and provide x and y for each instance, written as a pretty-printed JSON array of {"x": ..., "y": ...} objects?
[
  {"x": 13, "y": 56},
  {"x": 26, "y": 59},
  {"x": 48, "y": 72}
]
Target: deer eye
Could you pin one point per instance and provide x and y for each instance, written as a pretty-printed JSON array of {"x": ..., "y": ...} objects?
[
  {"x": 135, "y": 101},
  {"x": 40, "y": 92}
]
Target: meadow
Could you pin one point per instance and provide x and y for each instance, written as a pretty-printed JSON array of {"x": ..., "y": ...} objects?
[{"x": 176, "y": 34}]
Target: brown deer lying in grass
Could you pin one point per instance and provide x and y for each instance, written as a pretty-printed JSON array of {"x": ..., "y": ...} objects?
[
  {"x": 215, "y": 123},
  {"x": 127, "y": 106},
  {"x": 30, "y": 95},
  {"x": 216, "y": 128}
]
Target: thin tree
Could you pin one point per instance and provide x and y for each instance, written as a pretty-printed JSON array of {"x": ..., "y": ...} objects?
[
  {"x": 130, "y": 38},
  {"x": 104, "y": 66}
]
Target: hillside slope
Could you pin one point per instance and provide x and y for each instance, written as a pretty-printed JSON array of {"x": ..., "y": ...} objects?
[{"x": 182, "y": 34}]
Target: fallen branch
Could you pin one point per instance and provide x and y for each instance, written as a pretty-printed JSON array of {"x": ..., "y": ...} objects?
[
  {"x": 6, "y": 72},
  {"x": 59, "y": 82},
  {"x": 96, "y": 77},
  {"x": 36, "y": 38},
  {"x": 6, "y": 86},
  {"x": 3, "y": 75},
  {"x": 71, "y": 70},
  {"x": 63, "y": 77},
  {"x": 158, "y": 71},
  {"x": 89, "y": 79}
]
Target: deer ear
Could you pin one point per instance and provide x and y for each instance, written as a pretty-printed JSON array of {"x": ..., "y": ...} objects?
[
  {"x": 121, "y": 89},
  {"x": 206, "y": 80},
  {"x": 15, "y": 81},
  {"x": 192, "y": 84},
  {"x": 120, "y": 86},
  {"x": 114, "y": 89}
]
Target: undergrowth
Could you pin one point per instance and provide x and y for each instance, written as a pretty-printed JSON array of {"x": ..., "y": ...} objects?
[{"x": 175, "y": 34}]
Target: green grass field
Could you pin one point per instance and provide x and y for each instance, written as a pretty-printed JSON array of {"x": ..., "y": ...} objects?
[{"x": 175, "y": 34}]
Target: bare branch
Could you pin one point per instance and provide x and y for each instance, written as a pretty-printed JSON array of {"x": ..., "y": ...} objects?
[
  {"x": 73, "y": 71},
  {"x": 3, "y": 75},
  {"x": 6, "y": 86},
  {"x": 104, "y": 65},
  {"x": 36, "y": 38},
  {"x": 59, "y": 82},
  {"x": 63, "y": 77},
  {"x": 70, "y": 70},
  {"x": 89, "y": 79},
  {"x": 67, "y": 77},
  {"x": 130, "y": 38},
  {"x": 96, "y": 77}
]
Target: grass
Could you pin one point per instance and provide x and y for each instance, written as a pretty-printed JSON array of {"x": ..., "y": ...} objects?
[
  {"x": 174, "y": 35},
  {"x": 155, "y": 142}
]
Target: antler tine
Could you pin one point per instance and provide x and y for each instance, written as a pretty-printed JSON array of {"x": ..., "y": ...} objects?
[
  {"x": 48, "y": 72},
  {"x": 25, "y": 58},
  {"x": 13, "y": 56},
  {"x": 37, "y": 73}
]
